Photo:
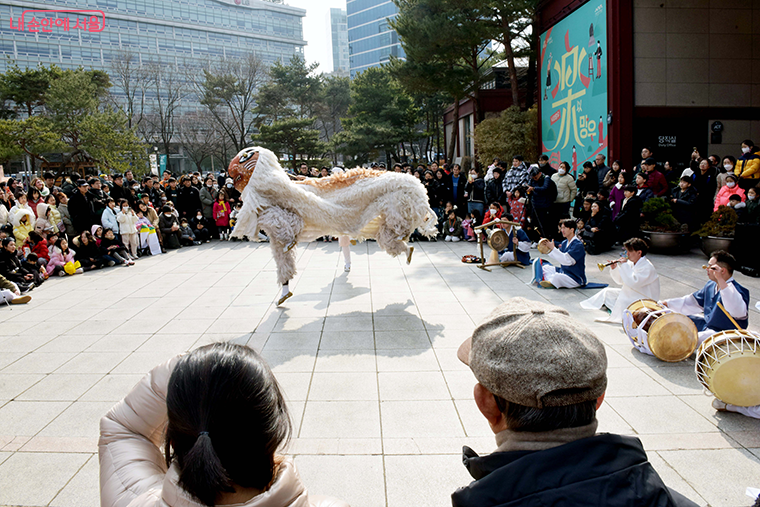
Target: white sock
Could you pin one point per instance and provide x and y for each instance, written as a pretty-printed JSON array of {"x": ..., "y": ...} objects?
[
  {"x": 285, "y": 290},
  {"x": 347, "y": 255}
]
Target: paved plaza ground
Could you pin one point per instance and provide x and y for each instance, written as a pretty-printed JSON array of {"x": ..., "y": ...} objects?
[{"x": 367, "y": 359}]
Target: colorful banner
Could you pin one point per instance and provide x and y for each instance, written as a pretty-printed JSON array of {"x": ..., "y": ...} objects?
[{"x": 574, "y": 87}]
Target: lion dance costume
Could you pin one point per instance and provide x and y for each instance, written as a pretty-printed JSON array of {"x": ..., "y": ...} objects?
[{"x": 360, "y": 203}]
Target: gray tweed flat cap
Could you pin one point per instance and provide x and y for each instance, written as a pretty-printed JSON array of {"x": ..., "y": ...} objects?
[{"x": 534, "y": 354}]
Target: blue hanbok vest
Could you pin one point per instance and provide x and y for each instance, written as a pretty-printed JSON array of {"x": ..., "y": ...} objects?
[
  {"x": 707, "y": 297},
  {"x": 578, "y": 270}
]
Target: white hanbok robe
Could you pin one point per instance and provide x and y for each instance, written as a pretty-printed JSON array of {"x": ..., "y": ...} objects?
[{"x": 639, "y": 281}]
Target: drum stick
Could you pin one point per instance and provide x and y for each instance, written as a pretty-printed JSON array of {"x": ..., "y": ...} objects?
[{"x": 723, "y": 308}]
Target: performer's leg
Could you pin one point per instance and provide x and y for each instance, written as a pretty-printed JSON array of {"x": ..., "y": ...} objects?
[
  {"x": 345, "y": 245},
  {"x": 748, "y": 411},
  {"x": 560, "y": 280},
  {"x": 704, "y": 335},
  {"x": 281, "y": 226},
  {"x": 507, "y": 257}
]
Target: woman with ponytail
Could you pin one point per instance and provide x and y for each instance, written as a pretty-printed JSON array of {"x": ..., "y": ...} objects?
[{"x": 220, "y": 417}]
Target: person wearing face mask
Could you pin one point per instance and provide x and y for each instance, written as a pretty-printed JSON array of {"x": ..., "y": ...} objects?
[
  {"x": 748, "y": 165},
  {"x": 475, "y": 192},
  {"x": 546, "y": 168},
  {"x": 752, "y": 209},
  {"x": 566, "y": 190},
  {"x": 188, "y": 199},
  {"x": 683, "y": 198},
  {"x": 729, "y": 163},
  {"x": 617, "y": 196},
  {"x": 200, "y": 226},
  {"x": 726, "y": 192},
  {"x": 232, "y": 193},
  {"x": 208, "y": 196},
  {"x": 169, "y": 227}
]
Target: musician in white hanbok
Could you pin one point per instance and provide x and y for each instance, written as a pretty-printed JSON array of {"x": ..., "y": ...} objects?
[{"x": 637, "y": 276}]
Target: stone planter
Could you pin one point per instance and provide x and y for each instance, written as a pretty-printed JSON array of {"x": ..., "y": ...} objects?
[
  {"x": 664, "y": 242},
  {"x": 712, "y": 243}
]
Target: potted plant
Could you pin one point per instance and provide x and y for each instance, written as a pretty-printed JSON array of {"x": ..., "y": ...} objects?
[
  {"x": 660, "y": 227},
  {"x": 718, "y": 232}
]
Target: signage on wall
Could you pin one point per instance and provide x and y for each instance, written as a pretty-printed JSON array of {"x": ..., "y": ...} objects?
[
  {"x": 574, "y": 92},
  {"x": 45, "y": 20},
  {"x": 666, "y": 141}
]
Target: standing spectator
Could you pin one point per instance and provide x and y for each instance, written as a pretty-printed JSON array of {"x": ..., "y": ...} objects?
[
  {"x": 729, "y": 163},
  {"x": 601, "y": 169},
  {"x": 646, "y": 152},
  {"x": 119, "y": 191},
  {"x": 50, "y": 183},
  {"x": 222, "y": 215},
  {"x": 207, "y": 196},
  {"x": 516, "y": 204},
  {"x": 172, "y": 192},
  {"x": 444, "y": 188},
  {"x": 458, "y": 183},
  {"x": 705, "y": 181},
  {"x": 495, "y": 187},
  {"x": 748, "y": 165},
  {"x": 80, "y": 207},
  {"x": 586, "y": 182},
  {"x": 188, "y": 199},
  {"x": 127, "y": 219},
  {"x": 543, "y": 193},
  {"x": 169, "y": 227},
  {"x": 566, "y": 190},
  {"x": 97, "y": 197},
  {"x": 232, "y": 193},
  {"x": 475, "y": 190},
  {"x": 726, "y": 192},
  {"x": 39, "y": 184},
  {"x": 672, "y": 176},
  {"x": 612, "y": 175},
  {"x": 684, "y": 199},
  {"x": 517, "y": 176},
  {"x": 546, "y": 168},
  {"x": 431, "y": 186},
  {"x": 655, "y": 179},
  {"x": 598, "y": 233},
  {"x": 627, "y": 222},
  {"x": 54, "y": 215},
  {"x": 616, "y": 193}
]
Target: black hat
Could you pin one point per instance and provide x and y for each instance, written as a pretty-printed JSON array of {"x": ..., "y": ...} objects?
[
  {"x": 82, "y": 182},
  {"x": 650, "y": 161},
  {"x": 534, "y": 171}
]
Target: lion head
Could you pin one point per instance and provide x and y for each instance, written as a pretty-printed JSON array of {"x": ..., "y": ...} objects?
[{"x": 242, "y": 167}]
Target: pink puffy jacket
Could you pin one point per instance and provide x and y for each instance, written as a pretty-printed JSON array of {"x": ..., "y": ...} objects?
[
  {"x": 58, "y": 259},
  {"x": 132, "y": 467},
  {"x": 724, "y": 193}
]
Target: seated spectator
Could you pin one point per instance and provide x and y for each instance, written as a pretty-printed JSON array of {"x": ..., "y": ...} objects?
[
  {"x": 585, "y": 211},
  {"x": 729, "y": 163},
  {"x": 60, "y": 256},
  {"x": 735, "y": 202},
  {"x": 541, "y": 379},
  {"x": 212, "y": 458},
  {"x": 748, "y": 165},
  {"x": 38, "y": 246},
  {"x": 616, "y": 193},
  {"x": 88, "y": 252},
  {"x": 655, "y": 180},
  {"x": 611, "y": 178},
  {"x": 727, "y": 191},
  {"x": 11, "y": 268},
  {"x": 127, "y": 219},
  {"x": 598, "y": 232},
  {"x": 23, "y": 223},
  {"x": 21, "y": 203},
  {"x": 453, "y": 227},
  {"x": 54, "y": 216},
  {"x": 32, "y": 264},
  {"x": 467, "y": 231},
  {"x": 43, "y": 224},
  {"x": 186, "y": 235},
  {"x": 628, "y": 221},
  {"x": 113, "y": 249},
  {"x": 11, "y": 294},
  {"x": 108, "y": 218},
  {"x": 586, "y": 182},
  {"x": 62, "y": 201},
  {"x": 642, "y": 189},
  {"x": 494, "y": 212},
  {"x": 684, "y": 199},
  {"x": 169, "y": 227},
  {"x": 752, "y": 210},
  {"x": 33, "y": 199},
  {"x": 200, "y": 227}
]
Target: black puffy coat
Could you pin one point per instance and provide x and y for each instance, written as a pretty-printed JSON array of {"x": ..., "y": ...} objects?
[{"x": 608, "y": 470}]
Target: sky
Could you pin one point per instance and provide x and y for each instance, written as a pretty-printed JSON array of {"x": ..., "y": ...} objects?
[{"x": 316, "y": 30}]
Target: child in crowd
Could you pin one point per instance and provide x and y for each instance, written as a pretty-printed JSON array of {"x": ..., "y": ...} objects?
[
  {"x": 54, "y": 216},
  {"x": 63, "y": 207},
  {"x": 61, "y": 255},
  {"x": 128, "y": 228},
  {"x": 186, "y": 235},
  {"x": 147, "y": 232},
  {"x": 453, "y": 228},
  {"x": 21, "y": 203},
  {"x": 88, "y": 253},
  {"x": 32, "y": 265},
  {"x": 222, "y": 216},
  {"x": 97, "y": 233},
  {"x": 114, "y": 250},
  {"x": 34, "y": 199},
  {"x": 469, "y": 234},
  {"x": 516, "y": 204},
  {"x": 38, "y": 246},
  {"x": 11, "y": 268},
  {"x": 43, "y": 225},
  {"x": 108, "y": 218},
  {"x": 23, "y": 223},
  {"x": 200, "y": 227}
]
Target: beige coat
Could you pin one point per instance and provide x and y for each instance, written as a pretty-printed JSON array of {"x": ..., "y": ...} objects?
[
  {"x": 566, "y": 187},
  {"x": 133, "y": 472}
]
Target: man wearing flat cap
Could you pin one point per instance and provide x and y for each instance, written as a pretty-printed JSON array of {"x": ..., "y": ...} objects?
[{"x": 541, "y": 378}]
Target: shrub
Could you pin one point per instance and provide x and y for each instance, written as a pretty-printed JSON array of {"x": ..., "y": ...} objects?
[
  {"x": 514, "y": 132},
  {"x": 722, "y": 224},
  {"x": 658, "y": 216}
]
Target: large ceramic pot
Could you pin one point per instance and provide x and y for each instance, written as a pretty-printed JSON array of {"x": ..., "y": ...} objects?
[
  {"x": 665, "y": 241},
  {"x": 712, "y": 243}
]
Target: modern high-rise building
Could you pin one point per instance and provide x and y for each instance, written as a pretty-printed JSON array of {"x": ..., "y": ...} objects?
[
  {"x": 339, "y": 31},
  {"x": 70, "y": 33},
  {"x": 371, "y": 41}
]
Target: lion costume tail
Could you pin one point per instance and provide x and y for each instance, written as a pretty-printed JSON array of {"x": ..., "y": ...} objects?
[{"x": 429, "y": 227}]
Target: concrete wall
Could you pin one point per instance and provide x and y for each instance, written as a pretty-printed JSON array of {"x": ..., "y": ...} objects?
[{"x": 697, "y": 53}]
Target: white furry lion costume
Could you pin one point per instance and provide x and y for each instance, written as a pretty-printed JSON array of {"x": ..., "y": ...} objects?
[{"x": 360, "y": 203}]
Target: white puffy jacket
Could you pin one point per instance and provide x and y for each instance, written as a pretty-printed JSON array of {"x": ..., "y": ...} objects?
[{"x": 132, "y": 467}]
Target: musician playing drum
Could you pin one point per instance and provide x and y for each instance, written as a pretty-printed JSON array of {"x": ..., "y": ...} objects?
[
  {"x": 721, "y": 288},
  {"x": 571, "y": 256},
  {"x": 637, "y": 276},
  {"x": 523, "y": 244}
]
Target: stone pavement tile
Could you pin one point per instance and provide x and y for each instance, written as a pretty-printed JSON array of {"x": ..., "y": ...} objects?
[
  {"x": 746, "y": 438},
  {"x": 26, "y": 418},
  {"x": 10, "y": 357},
  {"x": 347, "y": 340},
  {"x": 21, "y": 474},
  {"x": 16, "y": 328},
  {"x": 407, "y": 360},
  {"x": 678, "y": 380},
  {"x": 461, "y": 384},
  {"x": 242, "y": 325},
  {"x": 449, "y": 338},
  {"x": 450, "y": 322},
  {"x": 447, "y": 358},
  {"x": 12, "y": 385},
  {"x": 725, "y": 421},
  {"x": 142, "y": 362},
  {"x": 60, "y": 444},
  {"x": 451, "y": 446},
  {"x": 111, "y": 388},
  {"x": 81, "y": 419},
  {"x": 93, "y": 362},
  {"x": 673, "y": 479},
  {"x": 282, "y": 361},
  {"x": 475, "y": 425},
  {"x": 83, "y": 490},
  {"x": 635, "y": 357},
  {"x": 118, "y": 342},
  {"x": 39, "y": 362},
  {"x": 200, "y": 313},
  {"x": 659, "y": 414},
  {"x": 413, "y": 385},
  {"x": 405, "y": 309},
  {"x": 615, "y": 359},
  {"x": 633, "y": 382},
  {"x": 348, "y": 309},
  {"x": 434, "y": 478},
  {"x": 294, "y": 309},
  {"x": 358, "y": 419},
  {"x": 69, "y": 343},
  {"x": 345, "y": 361},
  {"x": 13, "y": 444},
  {"x": 293, "y": 341},
  {"x": 420, "y": 419},
  {"x": 299, "y": 324},
  {"x": 429, "y": 307},
  {"x": 60, "y": 387},
  {"x": 401, "y": 340},
  {"x": 756, "y": 452},
  {"x": 350, "y": 322},
  {"x": 26, "y": 343},
  {"x": 344, "y": 446},
  {"x": 176, "y": 343},
  {"x": 356, "y": 479},
  {"x": 611, "y": 422},
  {"x": 359, "y": 386},
  {"x": 104, "y": 327},
  {"x": 687, "y": 441},
  {"x": 4, "y": 456},
  {"x": 719, "y": 476},
  {"x": 295, "y": 386}
]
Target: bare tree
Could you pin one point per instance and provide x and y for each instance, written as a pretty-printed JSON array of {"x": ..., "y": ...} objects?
[
  {"x": 129, "y": 77},
  {"x": 197, "y": 136},
  {"x": 165, "y": 89}
]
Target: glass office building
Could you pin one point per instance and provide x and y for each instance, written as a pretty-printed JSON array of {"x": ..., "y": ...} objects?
[
  {"x": 177, "y": 32},
  {"x": 339, "y": 33},
  {"x": 371, "y": 41}
]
